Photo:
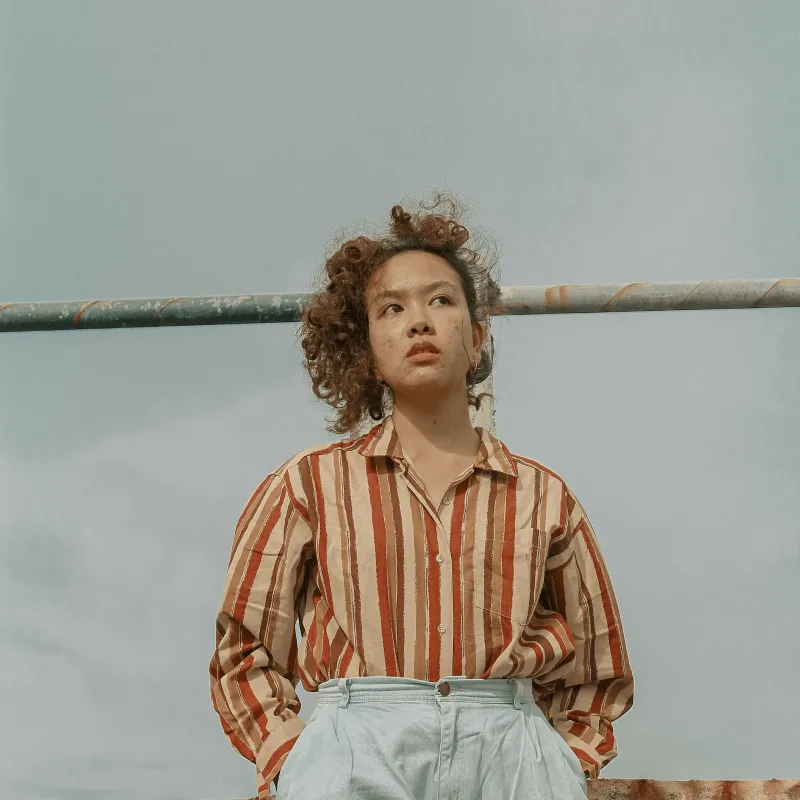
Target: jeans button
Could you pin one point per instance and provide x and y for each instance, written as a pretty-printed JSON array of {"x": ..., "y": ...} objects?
[{"x": 444, "y": 689}]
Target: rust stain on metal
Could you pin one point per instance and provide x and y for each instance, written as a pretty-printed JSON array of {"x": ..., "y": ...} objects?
[
  {"x": 556, "y": 296},
  {"x": 694, "y": 289},
  {"x": 727, "y": 792},
  {"x": 621, "y": 293},
  {"x": 83, "y": 308},
  {"x": 158, "y": 311},
  {"x": 614, "y": 789},
  {"x": 774, "y": 286}
]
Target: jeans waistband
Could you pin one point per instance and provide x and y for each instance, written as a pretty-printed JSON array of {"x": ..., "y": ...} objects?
[{"x": 377, "y": 689}]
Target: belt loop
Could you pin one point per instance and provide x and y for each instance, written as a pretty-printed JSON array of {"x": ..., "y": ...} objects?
[
  {"x": 344, "y": 688},
  {"x": 518, "y": 695}
]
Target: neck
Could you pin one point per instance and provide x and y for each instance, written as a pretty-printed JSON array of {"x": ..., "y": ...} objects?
[{"x": 437, "y": 426}]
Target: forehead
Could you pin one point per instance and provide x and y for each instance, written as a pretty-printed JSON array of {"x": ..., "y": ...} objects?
[{"x": 411, "y": 271}]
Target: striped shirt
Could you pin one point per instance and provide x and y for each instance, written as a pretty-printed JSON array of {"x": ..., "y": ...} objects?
[{"x": 504, "y": 579}]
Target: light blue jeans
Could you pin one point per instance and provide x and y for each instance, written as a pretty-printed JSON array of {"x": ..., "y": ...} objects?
[{"x": 377, "y": 738}]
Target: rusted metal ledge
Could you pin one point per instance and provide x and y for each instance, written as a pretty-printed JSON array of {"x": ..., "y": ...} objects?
[
  {"x": 261, "y": 308},
  {"x": 615, "y": 789}
]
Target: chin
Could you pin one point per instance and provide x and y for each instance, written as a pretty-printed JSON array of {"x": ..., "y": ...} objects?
[{"x": 423, "y": 384}]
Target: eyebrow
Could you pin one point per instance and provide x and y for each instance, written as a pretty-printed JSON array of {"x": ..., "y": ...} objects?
[{"x": 400, "y": 293}]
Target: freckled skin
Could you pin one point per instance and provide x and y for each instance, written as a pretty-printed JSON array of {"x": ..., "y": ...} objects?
[
  {"x": 414, "y": 313},
  {"x": 430, "y": 408}
]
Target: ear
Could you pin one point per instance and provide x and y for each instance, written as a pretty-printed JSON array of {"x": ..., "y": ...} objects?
[{"x": 478, "y": 337}]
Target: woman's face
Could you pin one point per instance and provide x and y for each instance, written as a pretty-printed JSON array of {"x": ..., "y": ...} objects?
[{"x": 416, "y": 297}]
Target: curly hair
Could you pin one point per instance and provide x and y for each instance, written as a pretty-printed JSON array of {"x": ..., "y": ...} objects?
[{"x": 334, "y": 329}]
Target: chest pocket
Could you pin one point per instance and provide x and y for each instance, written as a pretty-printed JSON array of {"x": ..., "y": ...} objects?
[{"x": 502, "y": 580}]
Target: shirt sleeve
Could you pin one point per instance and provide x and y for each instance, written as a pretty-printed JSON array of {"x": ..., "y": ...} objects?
[
  {"x": 254, "y": 667},
  {"x": 585, "y": 694}
]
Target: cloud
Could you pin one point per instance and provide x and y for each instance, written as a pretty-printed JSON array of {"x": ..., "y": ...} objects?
[{"x": 112, "y": 562}]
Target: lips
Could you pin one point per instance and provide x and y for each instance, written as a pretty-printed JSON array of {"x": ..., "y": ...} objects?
[{"x": 422, "y": 347}]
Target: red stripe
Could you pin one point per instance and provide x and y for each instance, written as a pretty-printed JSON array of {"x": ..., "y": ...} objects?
[
  {"x": 540, "y": 643},
  {"x": 297, "y": 506},
  {"x": 269, "y": 526},
  {"x": 279, "y": 753},
  {"x": 568, "y": 645},
  {"x": 247, "y": 515},
  {"x": 379, "y": 533},
  {"x": 251, "y": 702},
  {"x": 488, "y": 619},
  {"x": 614, "y": 642},
  {"x": 322, "y": 527},
  {"x": 399, "y": 602},
  {"x": 456, "y": 528},
  {"x": 538, "y": 652},
  {"x": 358, "y": 627},
  {"x": 508, "y": 560},
  {"x": 348, "y": 657}
]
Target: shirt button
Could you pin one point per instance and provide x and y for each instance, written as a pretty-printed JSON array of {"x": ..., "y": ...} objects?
[
  {"x": 440, "y": 558},
  {"x": 446, "y": 500},
  {"x": 441, "y": 628}
]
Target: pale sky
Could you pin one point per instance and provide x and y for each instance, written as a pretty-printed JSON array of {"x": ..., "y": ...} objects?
[{"x": 153, "y": 149}]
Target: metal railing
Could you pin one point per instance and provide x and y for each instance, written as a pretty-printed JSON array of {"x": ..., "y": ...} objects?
[{"x": 261, "y": 308}]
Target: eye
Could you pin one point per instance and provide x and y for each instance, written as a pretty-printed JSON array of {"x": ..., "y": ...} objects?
[
  {"x": 392, "y": 305},
  {"x": 443, "y": 297}
]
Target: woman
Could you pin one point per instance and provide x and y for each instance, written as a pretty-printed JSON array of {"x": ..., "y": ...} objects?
[{"x": 457, "y": 617}]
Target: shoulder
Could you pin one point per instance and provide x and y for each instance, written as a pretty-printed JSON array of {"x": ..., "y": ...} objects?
[
  {"x": 566, "y": 506},
  {"x": 324, "y": 450},
  {"x": 564, "y": 509},
  {"x": 299, "y": 464},
  {"x": 290, "y": 482},
  {"x": 530, "y": 467}
]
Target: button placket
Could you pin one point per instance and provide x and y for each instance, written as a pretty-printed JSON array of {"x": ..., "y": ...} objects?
[{"x": 416, "y": 488}]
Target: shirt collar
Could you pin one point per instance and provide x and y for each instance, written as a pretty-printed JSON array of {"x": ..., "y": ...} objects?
[{"x": 382, "y": 440}]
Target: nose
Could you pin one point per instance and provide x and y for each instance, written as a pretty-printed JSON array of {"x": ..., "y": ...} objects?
[{"x": 419, "y": 319}]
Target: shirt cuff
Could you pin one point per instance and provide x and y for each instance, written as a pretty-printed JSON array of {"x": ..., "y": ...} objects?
[
  {"x": 274, "y": 751},
  {"x": 590, "y": 760},
  {"x": 590, "y": 771}
]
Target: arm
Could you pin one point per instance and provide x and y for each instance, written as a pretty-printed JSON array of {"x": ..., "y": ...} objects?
[
  {"x": 254, "y": 667},
  {"x": 594, "y": 687}
]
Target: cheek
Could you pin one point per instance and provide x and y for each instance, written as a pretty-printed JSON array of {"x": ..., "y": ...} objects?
[
  {"x": 380, "y": 341},
  {"x": 463, "y": 334}
]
